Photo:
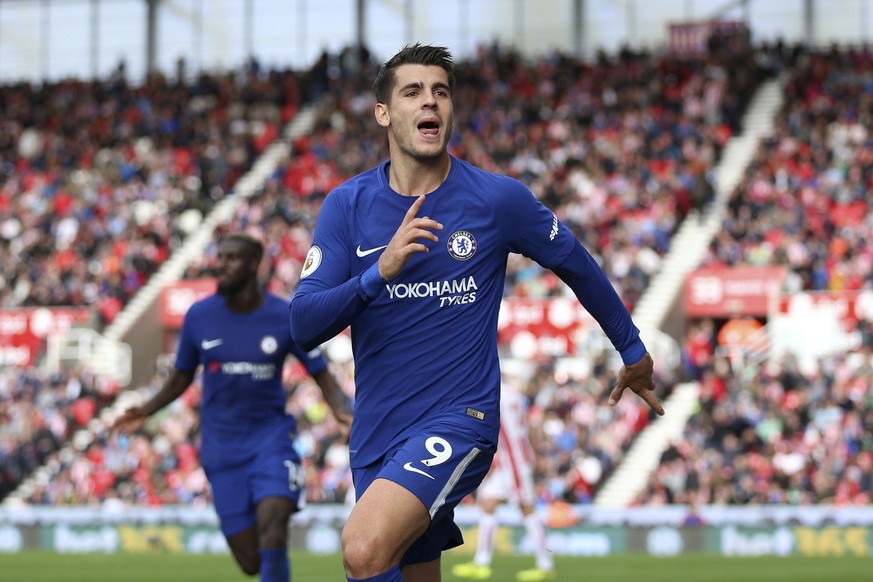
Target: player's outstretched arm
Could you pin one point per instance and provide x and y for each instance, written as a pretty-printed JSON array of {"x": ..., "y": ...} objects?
[
  {"x": 407, "y": 240},
  {"x": 132, "y": 419},
  {"x": 336, "y": 400},
  {"x": 594, "y": 291},
  {"x": 637, "y": 377}
]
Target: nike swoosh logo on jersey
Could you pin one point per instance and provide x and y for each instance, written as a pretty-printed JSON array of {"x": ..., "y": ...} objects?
[
  {"x": 209, "y": 344},
  {"x": 409, "y": 467},
  {"x": 363, "y": 253}
]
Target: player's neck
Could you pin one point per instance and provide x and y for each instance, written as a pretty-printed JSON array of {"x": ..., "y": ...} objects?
[
  {"x": 246, "y": 299},
  {"x": 411, "y": 177}
]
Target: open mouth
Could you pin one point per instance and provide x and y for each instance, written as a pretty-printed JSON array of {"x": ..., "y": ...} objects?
[{"x": 429, "y": 128}]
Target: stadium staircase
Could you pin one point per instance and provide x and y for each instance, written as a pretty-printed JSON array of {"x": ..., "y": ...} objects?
[
  {"x": 138, "y": 310},
  {"x": 687, "y": 249}
]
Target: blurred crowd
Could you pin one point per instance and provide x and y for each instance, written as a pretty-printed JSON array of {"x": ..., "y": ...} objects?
[
  {"x": 804, "y": 201},
  {"x": 621, "y": 147},
  {"x": 777, "y": 433},
  {"x": 118, "y": 175},
  {"x": 41, "y": 411},
  {"x": 781, "y": 430},
  {"x": 578, "y": 440},
  {"x": 160, "y": 466}
]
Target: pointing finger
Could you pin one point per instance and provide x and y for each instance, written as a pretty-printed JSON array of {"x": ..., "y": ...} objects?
[
  {"x": 653, "y": 403},
  {"x": 413, "y": 210},
  {"x": 615, "y": 395}
]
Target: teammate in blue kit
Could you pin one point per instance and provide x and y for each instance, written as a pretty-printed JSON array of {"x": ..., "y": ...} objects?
[
  {"x": 412, "y": 254},
  {"x": 240, "y": 337}
]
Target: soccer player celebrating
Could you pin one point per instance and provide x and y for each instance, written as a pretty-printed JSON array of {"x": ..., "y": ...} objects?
[
  {"x": 241, "y": 337},
  {"x": 423, "y": 314},
  {"x": 510, "y": 479}
]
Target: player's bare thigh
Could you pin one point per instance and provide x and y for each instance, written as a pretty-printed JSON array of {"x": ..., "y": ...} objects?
[{"x": 384, "y": 523}]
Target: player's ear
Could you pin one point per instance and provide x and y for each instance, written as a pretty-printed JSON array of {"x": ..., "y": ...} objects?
[{"x": 382, "y": 116}]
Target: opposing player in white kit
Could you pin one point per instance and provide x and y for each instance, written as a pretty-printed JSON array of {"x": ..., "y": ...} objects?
[{"x": 511, "y": 479}]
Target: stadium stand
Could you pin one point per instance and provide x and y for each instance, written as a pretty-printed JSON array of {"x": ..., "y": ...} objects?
[
  {"x": 670, "y": 111},
  {"x": 39, "y": 412},
  {"x": 744, "y": 444},
  {"x": 804, "y": 202},
  {"x": 123, "y": 193},
  {"x": 779, "y": 429},
  {"x": 104, "y": 170},
  {"x": 774, "y": 435}
]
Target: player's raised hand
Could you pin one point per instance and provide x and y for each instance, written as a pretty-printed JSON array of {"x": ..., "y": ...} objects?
[
  {"x": 407, "y": 240},
  {"x": 637, "y": 377},
  {"x": 130, "y": 421}
]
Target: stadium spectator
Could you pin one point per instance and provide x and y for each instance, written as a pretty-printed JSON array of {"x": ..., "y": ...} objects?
[
  {"x": 103, "y": 170},
  {"x": 779, "y": 432}
]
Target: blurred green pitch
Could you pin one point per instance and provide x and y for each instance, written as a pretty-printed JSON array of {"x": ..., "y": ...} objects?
[{"x": 38, "y": 566}]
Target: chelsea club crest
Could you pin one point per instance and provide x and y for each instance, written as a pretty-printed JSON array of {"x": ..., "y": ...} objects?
[
  {"x": 269, "y": 344},
  {"x": 462, "y": 245}
]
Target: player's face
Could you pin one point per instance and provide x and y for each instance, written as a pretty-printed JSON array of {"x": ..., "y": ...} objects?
[
  {"x": 419, "y": 113},
  {"x": 236, "y": 267}
]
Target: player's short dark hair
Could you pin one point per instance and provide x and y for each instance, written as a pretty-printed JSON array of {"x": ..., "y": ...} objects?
[
  {"x": 256, "y": 248},
  {"x": 415, "y": 54}
]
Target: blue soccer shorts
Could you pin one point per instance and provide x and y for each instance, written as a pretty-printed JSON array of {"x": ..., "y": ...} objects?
[
  {"x": 441, "y": 465},
  {"x": 275, "y": 470}
]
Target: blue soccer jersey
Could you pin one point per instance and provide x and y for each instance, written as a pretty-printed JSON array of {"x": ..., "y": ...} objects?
[
  {"x": 425, "y": 343},
  {"x": 242, "y": 355}
]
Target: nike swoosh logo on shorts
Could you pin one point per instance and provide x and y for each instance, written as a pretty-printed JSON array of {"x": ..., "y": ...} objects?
[
  {"x": 209, "y": 344},
  {"x": 409, "y": 467},
  {"x": 363, "y": 253}
]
